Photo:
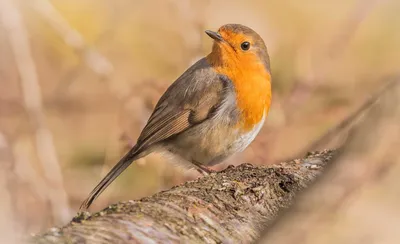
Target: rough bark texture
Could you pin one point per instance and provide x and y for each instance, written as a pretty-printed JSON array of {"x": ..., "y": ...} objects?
[{"x": 229, "y": 207}]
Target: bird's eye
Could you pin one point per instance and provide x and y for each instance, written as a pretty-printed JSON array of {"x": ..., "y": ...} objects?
[{"x": 245, "y": 46}]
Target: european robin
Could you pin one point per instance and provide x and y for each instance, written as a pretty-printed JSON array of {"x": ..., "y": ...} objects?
[{"x": 213, "y": 110}]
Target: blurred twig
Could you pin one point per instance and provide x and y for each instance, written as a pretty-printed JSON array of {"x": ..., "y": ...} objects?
[
  {"x": 99, "y": 64},
  {"x": 95, "y": 61},
  {"x": 46, "y": 151},
  {"x": 344, "y": 124},
  {"x": 8, "y": 222},
  {"x": 68, "y": 79},
  {"x": 332, "y": 132},
  {"x": 303, "y": 88},
  {"x": 358, "y": 190},
  {"x": 24, "y": 169}
]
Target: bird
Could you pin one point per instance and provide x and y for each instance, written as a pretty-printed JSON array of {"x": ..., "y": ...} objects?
[{"x": 213, "y": 110}]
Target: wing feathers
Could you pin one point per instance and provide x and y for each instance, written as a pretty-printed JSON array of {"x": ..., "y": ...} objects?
[
  {"x": 189, "y": 101},
  {"x": 166, "y": 128}
]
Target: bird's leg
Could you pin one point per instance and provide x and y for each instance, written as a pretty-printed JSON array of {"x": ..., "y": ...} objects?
[{"x": 202, "y": 169}]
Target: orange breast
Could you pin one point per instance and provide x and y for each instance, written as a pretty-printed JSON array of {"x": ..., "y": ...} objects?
[{"x": 253, "y": 87}]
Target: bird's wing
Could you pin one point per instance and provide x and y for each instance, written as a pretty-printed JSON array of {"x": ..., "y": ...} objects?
[{"x": 190, "y": 100}]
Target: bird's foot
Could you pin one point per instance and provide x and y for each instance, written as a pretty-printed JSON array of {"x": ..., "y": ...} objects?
[{"x": 203, "y": 169}]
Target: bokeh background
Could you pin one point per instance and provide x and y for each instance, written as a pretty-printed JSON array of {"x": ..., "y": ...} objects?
[{"x": 79, "y": 79}]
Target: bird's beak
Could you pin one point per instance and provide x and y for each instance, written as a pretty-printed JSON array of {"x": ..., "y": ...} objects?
[{"x": 214, "y": 35}]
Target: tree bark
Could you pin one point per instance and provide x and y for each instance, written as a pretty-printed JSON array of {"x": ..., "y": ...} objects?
[{"x": 229, "y": 207}]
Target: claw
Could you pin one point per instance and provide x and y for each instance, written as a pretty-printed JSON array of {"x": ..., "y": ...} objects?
[{"x": 203, "y": 169}]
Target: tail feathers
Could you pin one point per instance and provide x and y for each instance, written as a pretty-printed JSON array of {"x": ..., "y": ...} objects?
[{"x": 132, "y": 155}]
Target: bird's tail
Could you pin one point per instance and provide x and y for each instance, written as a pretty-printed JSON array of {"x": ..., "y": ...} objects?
[{"x": 125, "y": 161}]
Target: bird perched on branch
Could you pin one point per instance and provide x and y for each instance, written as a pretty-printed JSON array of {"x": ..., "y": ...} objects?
[{"x": 213, "y": 110}]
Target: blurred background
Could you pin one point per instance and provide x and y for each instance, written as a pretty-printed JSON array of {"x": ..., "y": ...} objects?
[{"x": 79, "y": 79}]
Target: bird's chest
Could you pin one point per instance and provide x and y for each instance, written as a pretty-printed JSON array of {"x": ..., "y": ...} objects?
[
  {"x": 252, "y": 89},
  {"x": 253, "y": 98}
]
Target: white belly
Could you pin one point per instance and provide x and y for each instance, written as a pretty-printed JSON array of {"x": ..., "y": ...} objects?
[{"x": 244, "y": 141}]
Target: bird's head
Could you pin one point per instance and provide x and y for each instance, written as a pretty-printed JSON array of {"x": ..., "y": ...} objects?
[{"x": 236, "y": 44}]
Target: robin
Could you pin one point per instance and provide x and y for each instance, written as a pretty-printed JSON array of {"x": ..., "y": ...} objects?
[{"x": 213, "y": 110}]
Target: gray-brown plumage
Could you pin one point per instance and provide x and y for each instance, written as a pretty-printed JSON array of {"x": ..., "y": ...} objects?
[
  {"x": 183, "y": 108},
  {"x": 198, "y": 119}
]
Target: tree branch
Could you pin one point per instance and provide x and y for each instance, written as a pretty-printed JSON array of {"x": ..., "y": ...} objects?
[{"x": 224, "y": 207}]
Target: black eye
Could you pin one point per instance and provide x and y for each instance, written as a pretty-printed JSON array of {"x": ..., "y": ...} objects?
[{"x": 245, "y": 46}]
